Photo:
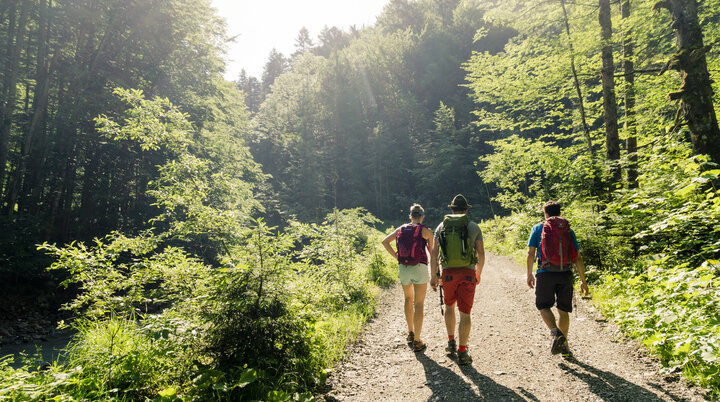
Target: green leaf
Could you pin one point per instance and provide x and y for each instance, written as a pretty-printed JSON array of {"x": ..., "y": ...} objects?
[
  {"x": 248, "y": 377},
  {"x": 168, "y": 392},
  {"x": 708, "y": 356}
]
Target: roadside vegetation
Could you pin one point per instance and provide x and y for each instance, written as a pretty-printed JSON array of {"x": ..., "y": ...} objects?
[{"x": 205, "y": 304}]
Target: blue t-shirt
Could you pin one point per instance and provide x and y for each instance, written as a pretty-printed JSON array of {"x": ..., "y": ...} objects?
[{"x": 534, "y": 241}]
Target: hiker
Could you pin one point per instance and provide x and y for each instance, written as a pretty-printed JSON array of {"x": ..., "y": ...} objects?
[
  {"x": 555, "y": 248},
  {"x": 412, "y": 240},
  {"x": 459, "y": 245}
]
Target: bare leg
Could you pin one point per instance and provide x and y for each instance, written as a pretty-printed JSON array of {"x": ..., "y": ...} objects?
[
  {"x": 549, "y": 318},
  {"x": 450, "y": 319},
  {"x": 464, "y": 328},
  {"x": 420, "y": 291},
  {"x": 408, "y": 291},
  {"x": 563, "y": 322}
]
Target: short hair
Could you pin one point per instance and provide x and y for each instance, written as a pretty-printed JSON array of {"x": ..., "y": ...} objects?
[
  {"x": 458, "y": 211},
  {"x": 552, "y": 208},
  {"x": 416, "y": 210}
]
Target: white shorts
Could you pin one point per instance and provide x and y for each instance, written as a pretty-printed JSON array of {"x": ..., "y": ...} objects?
[{"x": 415, "y": 274}]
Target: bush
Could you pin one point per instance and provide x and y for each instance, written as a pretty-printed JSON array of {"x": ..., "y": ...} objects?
[{"x": 674, "y": 311}]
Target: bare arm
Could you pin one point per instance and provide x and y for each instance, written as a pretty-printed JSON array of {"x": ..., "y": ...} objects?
[
  {"x": 580, "y": 265},
  {"x": 480, "y": 253},
  {"x": 434, "y": 268},
  {"x": 387, "y": 240},
  {"x": 532, "y": 251},
  {"x": 427, "y": 235}
]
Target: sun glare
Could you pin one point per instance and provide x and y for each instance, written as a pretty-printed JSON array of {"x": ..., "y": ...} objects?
[{"x": 259, "y": 26}]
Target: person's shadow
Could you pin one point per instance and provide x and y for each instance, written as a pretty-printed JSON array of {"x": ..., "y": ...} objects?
[
  {"x": 446, "y": 385},
  {"x": 609, "y": 386}
]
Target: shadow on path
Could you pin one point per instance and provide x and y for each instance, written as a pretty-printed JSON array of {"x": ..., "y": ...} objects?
[
  {"x": 447, "y": 385},
  {"x": 609, "y": 386}
]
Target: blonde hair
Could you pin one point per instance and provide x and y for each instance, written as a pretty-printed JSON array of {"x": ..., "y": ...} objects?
[{"x": 416, "y": 209}]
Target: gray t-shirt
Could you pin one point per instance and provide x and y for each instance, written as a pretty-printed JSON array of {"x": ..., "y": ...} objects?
[{"x": 474, "y": 233}]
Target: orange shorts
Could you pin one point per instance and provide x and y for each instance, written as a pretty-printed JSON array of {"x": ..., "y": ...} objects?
[{"x": 459, "y": 286}]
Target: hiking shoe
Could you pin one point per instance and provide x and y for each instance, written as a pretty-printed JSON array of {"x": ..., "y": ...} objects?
[
  {"x": 563, "y": 347},
  {"x": 410, "y": 338},
  {"x": 558, "y": 340},
  {"x": 451, "y": 348},
  {"x": 419, "y": 346},
  {"x": 464, "y": 358}
]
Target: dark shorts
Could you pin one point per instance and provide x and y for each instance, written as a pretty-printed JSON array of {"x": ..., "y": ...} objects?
[
  {"x": 554, "y": 288},
  {"x": 459, "y": 286}
]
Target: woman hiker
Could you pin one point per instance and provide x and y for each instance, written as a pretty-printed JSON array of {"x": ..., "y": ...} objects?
[{"x": 412, "y": 240}]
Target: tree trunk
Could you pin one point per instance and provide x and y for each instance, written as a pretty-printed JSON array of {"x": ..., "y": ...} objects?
[
  {"x": 612, "y": 141},
  {"x": 628, "y": 70},
  {"x": 583, "y": 118},
  {"x": 9, "y": 18},
  {"x": 695, "y": 94},
  {"x": 10, "y": 85},
  {"x": 40, "y": 101},
  {"x": 88, "y": 199}
]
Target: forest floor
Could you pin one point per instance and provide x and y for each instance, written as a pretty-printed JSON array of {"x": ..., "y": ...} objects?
[{"x": 510, "y": 347}]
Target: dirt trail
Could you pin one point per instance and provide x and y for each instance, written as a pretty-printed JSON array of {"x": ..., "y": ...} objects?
[{"x": 510, "y": 347}]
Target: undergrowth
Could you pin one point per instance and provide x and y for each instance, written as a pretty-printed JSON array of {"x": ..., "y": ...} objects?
[{"x": 163, "y": 326}]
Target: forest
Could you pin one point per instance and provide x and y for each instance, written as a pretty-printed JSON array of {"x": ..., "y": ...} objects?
[{"x": 214, "y": 239}]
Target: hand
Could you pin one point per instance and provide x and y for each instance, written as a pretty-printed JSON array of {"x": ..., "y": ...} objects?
[
  {"x": 434, "y": 283},
  {"x": 531, "y": 281},
  {"x": 584, "y": 289}
]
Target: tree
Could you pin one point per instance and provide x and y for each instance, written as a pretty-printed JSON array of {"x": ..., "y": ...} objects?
[
  {"x": 252, "y": 89},
  {"x": 331, "y": 40},
  {"x": 15, "y": 45},
  {"x": 303, "y": 42},
  {"x": 695, "y": 94},
  {"x": 576, "y": 82},
  {"x": 612, "y": 141},
  {"x": 274, "y": 67},
  {"x": 628, "y": 46},
  {"x": 39, "y": 107}
]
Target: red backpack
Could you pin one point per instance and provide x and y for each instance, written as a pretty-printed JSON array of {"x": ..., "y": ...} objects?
[
  {"x": 558, "y": 249},
  {"x": 410, "y": 244}
]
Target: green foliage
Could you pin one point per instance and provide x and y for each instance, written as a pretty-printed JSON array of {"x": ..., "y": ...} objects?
[
  {"x": 509, "y": 235},
  {"x": 207, "y": 303},
  {"x": 541, "y": 171},
  {"x": 352, "y": 124},
  {"x": 125, "y": 276},
  {"x": 117, "y": 358},
  {"x": 676, "y": 214},
  {"x": 155, "y": 322},
  {"x": 674, "y": 310}
]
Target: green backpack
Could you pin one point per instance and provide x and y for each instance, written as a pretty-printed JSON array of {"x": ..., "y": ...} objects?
[{"x": 457, "y": 249}]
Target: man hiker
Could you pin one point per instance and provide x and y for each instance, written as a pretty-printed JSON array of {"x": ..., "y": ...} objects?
[
  {"x": 412, "y": 240},
  {"x": 555, "y": 248},
  {"x": 459, "y": 246}
]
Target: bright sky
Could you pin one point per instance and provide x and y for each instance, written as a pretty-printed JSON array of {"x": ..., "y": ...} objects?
[{"x": 261, "y": 25}]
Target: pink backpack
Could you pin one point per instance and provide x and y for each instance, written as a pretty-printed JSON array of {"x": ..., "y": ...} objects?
[
  {"x": 558, "y": 249},
  {"x": 410, "y": 244}
]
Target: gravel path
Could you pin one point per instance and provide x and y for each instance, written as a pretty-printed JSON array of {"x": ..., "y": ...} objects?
[{"x": 510, "y": 347}]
